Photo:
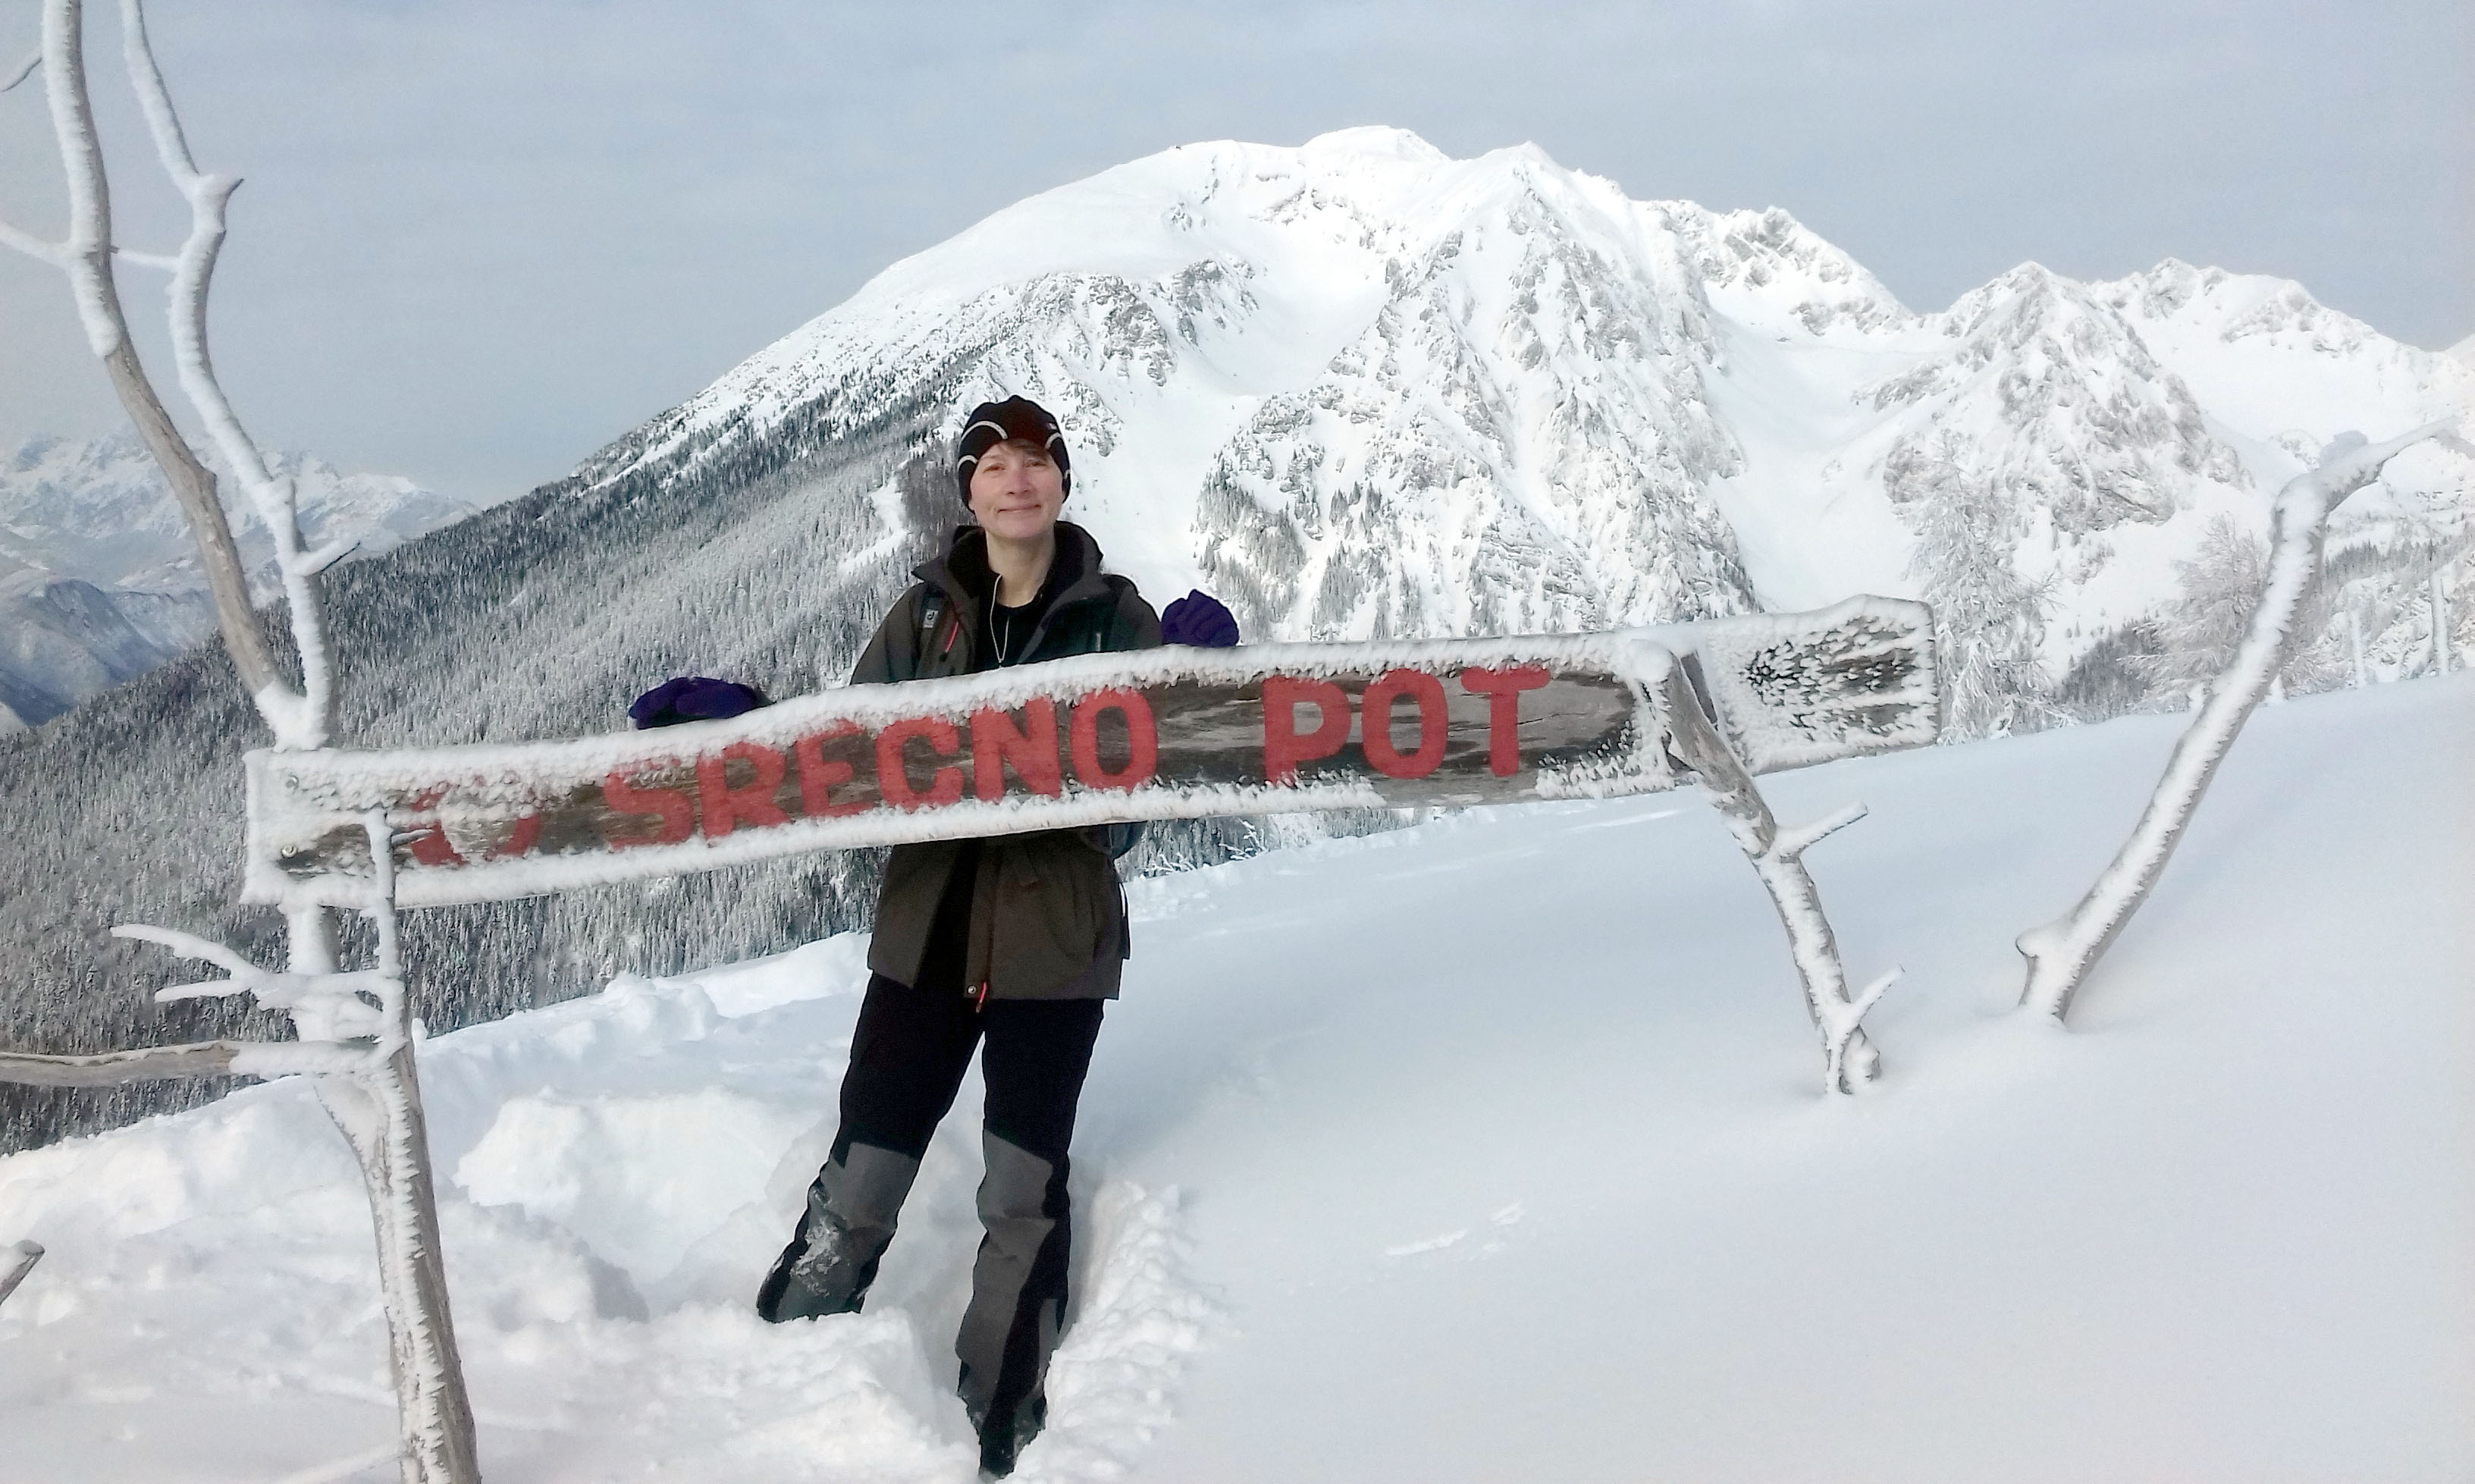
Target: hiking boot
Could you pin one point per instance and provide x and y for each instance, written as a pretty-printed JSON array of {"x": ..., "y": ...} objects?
[
  {"x": 1001, "y": 1443},
  {"x": 814, "y": 1279},
  {"x": 1002, "y": 1440}
]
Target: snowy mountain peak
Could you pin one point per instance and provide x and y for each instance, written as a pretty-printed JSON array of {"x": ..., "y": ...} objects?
[
  {"x": 1359, "y": 388},
  {"x": 1373, "y": 142}
]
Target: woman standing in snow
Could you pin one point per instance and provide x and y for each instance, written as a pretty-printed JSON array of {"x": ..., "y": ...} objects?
[{"x": 1014, "y": 941}]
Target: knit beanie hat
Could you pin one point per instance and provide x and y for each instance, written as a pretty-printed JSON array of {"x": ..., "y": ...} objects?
[{"x": 1015, "y": 420}]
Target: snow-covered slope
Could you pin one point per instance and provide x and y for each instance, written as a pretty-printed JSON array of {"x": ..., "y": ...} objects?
[
  {"x": 99, "y": 579},
  {"x": 1482, "y": 1150},
  {"x": 1359, "y": 388}
]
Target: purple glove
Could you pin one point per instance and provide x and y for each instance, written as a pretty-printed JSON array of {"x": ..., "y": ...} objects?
[
  {"x": 693, "y": 698},
  {"x": 1198, "y": 619}
]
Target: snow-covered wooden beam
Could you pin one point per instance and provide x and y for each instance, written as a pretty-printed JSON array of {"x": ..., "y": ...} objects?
[{"x": 1096, "y": 739}]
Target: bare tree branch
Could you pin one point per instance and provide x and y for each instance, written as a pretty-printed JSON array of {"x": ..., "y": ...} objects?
[
  {"x": 2061, "y": 953},
  {"x": 300, "y": 721},
  {"x": 331, "y": 999},
  {"x": 25, "y": 70},
  {"x": 41, "y": 250},
  {"x": 17, "y": 1260},
  {"x": 147, "y": 1064},
  {"x": 1848, "y": 1059},
  {"x": 86, "y": 256},
  {"x": 1792, "y": 843},
  {"x": 268, "y": 1059}
]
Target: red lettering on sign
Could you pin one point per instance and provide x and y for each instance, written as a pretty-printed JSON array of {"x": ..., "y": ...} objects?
[
  {"x": 1502, "y": 690},
  {"x": 1375, "y": 723},
  {"x": 1142, "y": 740},
  {"x": 820, "y": 776},
  {"x": 1283, "y": 747},
  {"x": 1030, "y": 750},
  {"x": 726, "y": 808},
  {"x": 431, "y": 847},
  {"x": 523, "y": 838},
  {"x": 677, "y": 814},
  {"x": 942, "y": 737}
]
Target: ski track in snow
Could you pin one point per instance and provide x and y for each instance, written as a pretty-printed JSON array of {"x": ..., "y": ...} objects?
[{"x": 1487, "y": 1148}]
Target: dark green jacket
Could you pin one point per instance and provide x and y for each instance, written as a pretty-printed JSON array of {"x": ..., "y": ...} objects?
[{"x": 1048, "y": 915}]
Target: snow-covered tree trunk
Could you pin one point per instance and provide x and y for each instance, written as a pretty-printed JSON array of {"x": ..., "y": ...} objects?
[
  {"x": 2061, "y": 953},
  {"x": 381, "y": 1113},
  {"x": 377, "y": 1107},
  {"x": 1848, "y": 1059}
]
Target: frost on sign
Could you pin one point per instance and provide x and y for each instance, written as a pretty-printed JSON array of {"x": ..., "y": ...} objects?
[{"x": 1163, "y": 735}]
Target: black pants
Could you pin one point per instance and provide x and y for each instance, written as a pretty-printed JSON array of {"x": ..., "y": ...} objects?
[{"x": 908, "y": 1056}]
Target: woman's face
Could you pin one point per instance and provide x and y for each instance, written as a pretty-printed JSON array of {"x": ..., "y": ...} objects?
[{"x": 1015, "y": 491}]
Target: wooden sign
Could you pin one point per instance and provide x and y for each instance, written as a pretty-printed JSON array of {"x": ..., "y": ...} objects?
[{"x": 1160, "y": 734}]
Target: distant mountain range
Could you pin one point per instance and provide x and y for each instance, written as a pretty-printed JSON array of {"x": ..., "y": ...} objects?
[
  {"x": 1353, "y": 388},
  {"x": 99, "y": 579}
]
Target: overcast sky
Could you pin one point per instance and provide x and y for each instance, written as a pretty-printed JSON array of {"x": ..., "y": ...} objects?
[{"x": 481, "y": 237}]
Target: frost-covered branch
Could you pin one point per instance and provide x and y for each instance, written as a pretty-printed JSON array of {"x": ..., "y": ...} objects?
[
  {"x": 2061, "y": 953},
  {"x": 301, "y": 719},
  {"x": 329, "y": 1000},
  {"x": 1848, "y": 1059},
  {"x": 17, "y": 1260},
  {"x": 24, "y": 71},
  {"x": 18, "y": 239},
  {"x": 1791, "y": 845},
  {"x": 360, "y": 1058},
  {"x": 146, "y": 1064},
  {"x": 268, "y": 1059},
  {"x": 85, "y": 254}
]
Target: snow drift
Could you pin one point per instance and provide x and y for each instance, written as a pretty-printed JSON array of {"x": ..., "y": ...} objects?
[{"x": 1482, "y": 1149}]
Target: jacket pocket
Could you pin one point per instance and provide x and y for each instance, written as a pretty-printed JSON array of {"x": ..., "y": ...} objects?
[{"x": 1056, "y": 898}]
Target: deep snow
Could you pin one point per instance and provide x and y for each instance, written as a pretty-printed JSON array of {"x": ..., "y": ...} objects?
[{"x": 1488, "y": 1148}]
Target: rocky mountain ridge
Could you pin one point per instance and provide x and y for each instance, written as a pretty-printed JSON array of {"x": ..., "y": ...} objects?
[{"x": 1359, "y": 388}]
